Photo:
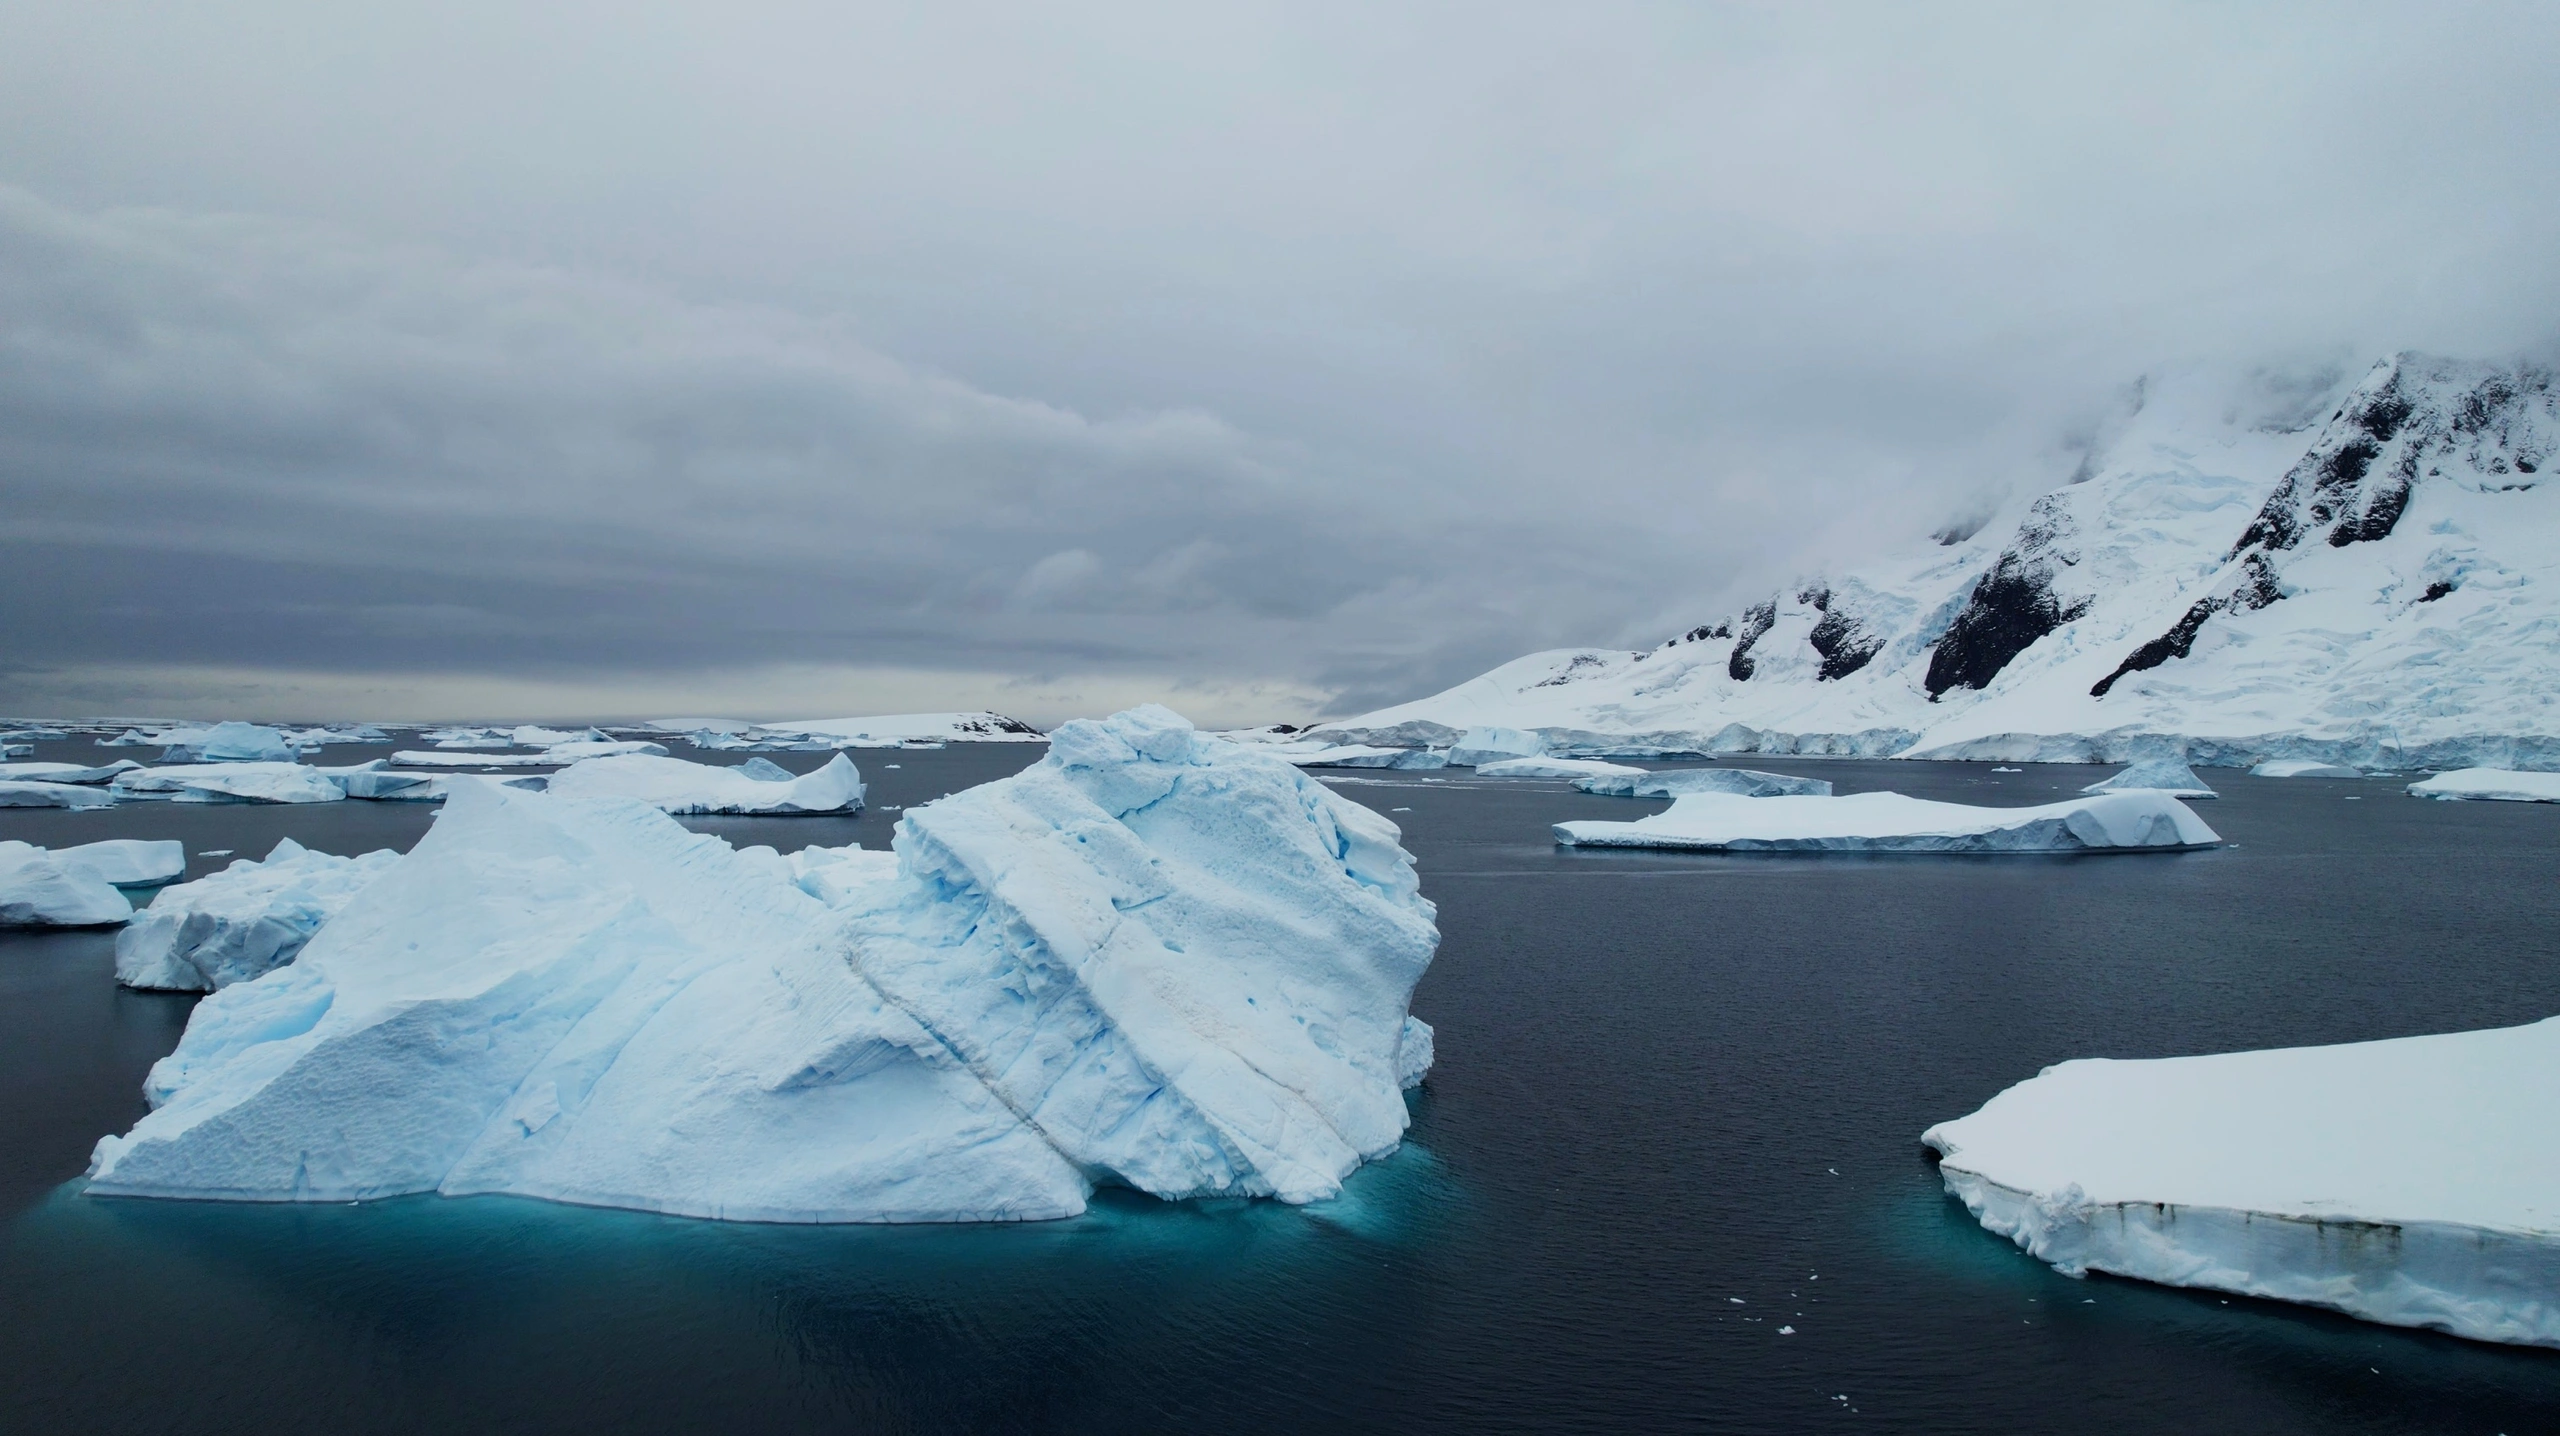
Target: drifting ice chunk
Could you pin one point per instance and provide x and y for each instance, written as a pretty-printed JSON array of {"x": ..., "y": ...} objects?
[
  {"x": 416, "y": 758},
  {"x": 1587, "y": 769},
  {"x": 675, "y": 785},
  {"x": 1492, "y": 745},
  {"x": 1741, "y": 782},
  {"x": 832, "y": 875},
  {"x": 2301, "y": 768},
  {"x": 1149, "y": 958},
  {"x": 579, "y": 750},
  {"x": 2159, "y": 775},
  {"x": 229, "y": 743},
  {"x": 534, "y": 736},
  {"x": 248, "y": 919},
  {"x": 231, "y": 783},
  {"x": 39, "y": 889},
  {"x": 2412, "y": 1181},
  {"x": 128, "y": 862},
  {"x": 15, "y": 794},
  {"x": 1894, "y": 823},
  {"x": 2497, "y": 784},
  {"x": 765, "y": 770},
  {"x": 64, "y": 772}
]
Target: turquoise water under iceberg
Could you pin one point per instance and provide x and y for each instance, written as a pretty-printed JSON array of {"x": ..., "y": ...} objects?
[{"x": 1676, "y": 1109}]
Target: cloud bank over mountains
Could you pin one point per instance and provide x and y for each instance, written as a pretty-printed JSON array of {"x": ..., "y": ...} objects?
[{"x": 1269, "y": 360}]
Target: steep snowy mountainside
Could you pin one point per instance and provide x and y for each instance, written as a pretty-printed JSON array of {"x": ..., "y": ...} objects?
[{"x": 2365, "y": 580}]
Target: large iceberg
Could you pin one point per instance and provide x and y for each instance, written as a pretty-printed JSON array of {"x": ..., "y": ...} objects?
[
  {"x": 1492, "y": 744},
  {"x": 1150, "y": 959},
  {"x": 2302, "y": 768},
  {"x": 1581, "y": 768},
  {"x": 23, "y": 794},
  {"x": 42, "y": 889},
  {"x": 2159, "y": 775},
  {"x": 228, "y": 743},
  {"x": 1741, "y": 782},
  {"x": 242, "y": 922},
  {"x": 2413, "y": 1181},
  {"x": 675, "y": 785},
  {"x": 129, "y": 862},
  {"x": 1895, "y": 823},
  {"x": 231, "y": 783},
  {"x": 2496, "y": 784},
  {"x": 64, "y": 772}
]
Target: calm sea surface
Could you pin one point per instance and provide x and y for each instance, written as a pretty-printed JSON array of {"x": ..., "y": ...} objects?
[{"x": 1677, "y": 1106}]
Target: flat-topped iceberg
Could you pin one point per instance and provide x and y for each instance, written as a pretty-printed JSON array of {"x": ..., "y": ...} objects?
[
  {"x": 64, "y": 772},
  {"x": 2159, "y": 775},
  {"x": 1895, "y": 823},
  {"x": 1150, "y": 959},
  {"x": 227, "y": 743},
  {"x": 675, "y": 785},
  {"x": 42, "y": 889},
  {"x": 2413, "y": 1181},
  {"x": 1493, "y": 744},
  {"x": 129, "y": 862},
  {"x": 1583, "y": 768},
  {"x": 230, "y": 783},
  {"x": 242, "y": 922},
  {"x": 16, "y": 793},
  {"x": 2302, "y": 768},
  {"x": 1741, "y": 782},
  {"x": 2493, "y": 784}
]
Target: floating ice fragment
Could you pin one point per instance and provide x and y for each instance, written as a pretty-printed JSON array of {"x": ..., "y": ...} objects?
[
  {"x": 1894, "y": 823},
  {"x": 677, "y": 785},
  {"x": 2160, "y": 775},
  {"x": 248, "y": 919},
  {"x": 2493, "y": 784}
]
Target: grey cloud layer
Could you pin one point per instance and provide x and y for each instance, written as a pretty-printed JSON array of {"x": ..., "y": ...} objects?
[{"x": 1350, "y": 348}]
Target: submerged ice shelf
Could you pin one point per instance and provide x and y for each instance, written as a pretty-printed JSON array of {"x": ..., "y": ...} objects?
[
  {"x": 1894, "y": 823},
  {"x": 1150, "y": 959},
  {"x": 2413, "y": 1181}
]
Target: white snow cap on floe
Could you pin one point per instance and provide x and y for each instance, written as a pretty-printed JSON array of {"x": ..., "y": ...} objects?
[
  {"x": 2160, "y": 775},
  {"x": 1584, "y": 768},
  {"x": 40, "y": 889},
  {"x": 2412, "y": 1181},
  {"x": 248, "y": 919},
  {"x": 1150, "y": 958},
  {"x": 64, "y": 772},
  {"x": 2301, "y": 768},
  {"x": 228, "y": 743},
  {"x": 230, "y": 783},
  {"x": 1493, "y": 744},
  {"x": 1894, "y": 823},
  {"x": 23, "y": 794},
  {"x": 1742, "y": 782},
  {"x": 2494, "y": 784},
  {"x": 676, "y": 785},
  {"x": 129, "y": 862}
]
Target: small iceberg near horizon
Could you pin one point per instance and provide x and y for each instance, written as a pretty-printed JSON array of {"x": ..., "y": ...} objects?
[
  {"x": 2497, "y": 785},
  {"x": 2139, "y": 821}
]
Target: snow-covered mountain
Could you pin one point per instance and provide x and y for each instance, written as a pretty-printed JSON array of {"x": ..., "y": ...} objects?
[{"x": 2361, "y": 574}]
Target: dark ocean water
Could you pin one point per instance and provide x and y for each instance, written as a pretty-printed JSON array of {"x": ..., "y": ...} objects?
[{"x": 1677, "y": 1106}]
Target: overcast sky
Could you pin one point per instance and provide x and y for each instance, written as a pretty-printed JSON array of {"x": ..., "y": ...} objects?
[{"x": 618, "y": 359}]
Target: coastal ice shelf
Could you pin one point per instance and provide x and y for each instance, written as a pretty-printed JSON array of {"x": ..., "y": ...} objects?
[
  {"x": 2413, "y": 1181},
  {"x": 1151, "y": 959},
  {"x": 2362, "y": 571},
  {"x": 2136, "y": 821}
]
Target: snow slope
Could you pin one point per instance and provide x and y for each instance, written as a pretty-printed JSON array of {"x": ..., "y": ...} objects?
[
  {"x": 2413, "y": 1181},
  {"x": 1895, "y": 823},
  {"x": 1151, "y": 959},
  {"x": 2229, "y": 577},
  {"x": 43, "y": 889},
  {"x": 674, "y": 785}
]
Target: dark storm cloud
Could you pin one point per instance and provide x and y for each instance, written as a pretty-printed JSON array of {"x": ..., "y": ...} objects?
[{"x": 1346, "y": 349}]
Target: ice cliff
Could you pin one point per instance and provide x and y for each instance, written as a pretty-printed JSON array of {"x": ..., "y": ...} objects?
[{"x": 1151, "y": 959}]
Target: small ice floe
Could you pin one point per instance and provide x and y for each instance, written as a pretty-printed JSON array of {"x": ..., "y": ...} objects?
[
  {"x": 1493, "y": 744},
  {"x": 2302, "y": 768},
  {"x": 64, "y": 772},
  {"x": 42, "y": 889},
  {"x": 2008, "y": 770},
  {"x": 230, "y": 783},
  {"x": 2159, "y": 775},
  {"x": 227, "y": 743},
  {"x": 23, "y": 794},
  {"x": 2412, "y": 1181},
  {"x": 1583, "y": 769},
  {"x": 678, "y": 785},
  {"x": 129, "y": 862},
  {"x": 2499, "y": 785},
  {"x": 1741, "y": 782},
  {"x": 1895, "y": 823},
  {"x": 248, "y": 919}
]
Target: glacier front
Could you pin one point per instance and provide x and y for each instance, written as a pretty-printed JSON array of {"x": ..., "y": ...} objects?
[
  {"x": 2412, "y": 1181},
  {"x": 1151, "y": 959}
]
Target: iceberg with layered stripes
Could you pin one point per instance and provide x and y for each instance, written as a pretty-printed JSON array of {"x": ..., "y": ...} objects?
[{"x": 1152, "y": 959}]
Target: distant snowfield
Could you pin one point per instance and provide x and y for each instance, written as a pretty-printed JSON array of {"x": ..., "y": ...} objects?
[
  {"x": 2412, "y": 1181},
  {"x": 2369, "y": 581}
]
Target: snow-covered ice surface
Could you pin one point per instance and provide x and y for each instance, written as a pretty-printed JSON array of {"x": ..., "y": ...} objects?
[
  {"x": 422, "y": 758},
  {"x": 2413, "y": 1181},
  {"x": 2496, "y": 784},
  {"x": 676, "y": 785},
  {"x": 1556, "y": 768},
  {"x": 230, "y": 783},
  {"x": 129, "y": 862},
  {"x": 64, "y": 772},
  {"x": 1491, "y": 743},
  {"x": 248, "y": 919},
  {"x": 1150, "y": 959},
  {"x": 880, "y": 730},
  {"x": 227, "y": 743},
  {"x": 2363, "y": 576},
  {"x": 1894, "y": 823},
  {"x": 24, "y": 794},
  {"x": 2302, "y": 768},
  {"x": 2159, "y": 775},
  {"x": 42, "y": 889},
  {"x": 579, "y": 750},
  {"x": 1742, "y": 782}
]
